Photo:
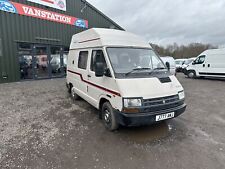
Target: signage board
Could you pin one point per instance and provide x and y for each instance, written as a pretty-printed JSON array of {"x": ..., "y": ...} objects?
[
  {"x": 30, "y": 11},
  {"x": 58, "y": 4}
]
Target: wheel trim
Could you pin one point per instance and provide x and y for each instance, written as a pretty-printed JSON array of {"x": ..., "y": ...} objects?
[
  {"x": 191, "y": 74},
  {"x": 107, "y": 117}
]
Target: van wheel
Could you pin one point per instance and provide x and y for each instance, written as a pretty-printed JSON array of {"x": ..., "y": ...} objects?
[
  {"x": 191, "y": 74},
  {"x": 69, "y": 88},
  {"x": 74, "y": 95},
  {"x": 108, "y": 117}
]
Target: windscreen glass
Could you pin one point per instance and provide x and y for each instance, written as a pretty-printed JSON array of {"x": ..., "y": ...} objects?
[
  {"x": 188, "y": 61},
  {"x": 179, "y": 62},
  {"x": 124, "y": 60}
]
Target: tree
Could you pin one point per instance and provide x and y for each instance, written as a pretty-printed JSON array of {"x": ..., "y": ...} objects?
[{"x": 182, "y": 51}]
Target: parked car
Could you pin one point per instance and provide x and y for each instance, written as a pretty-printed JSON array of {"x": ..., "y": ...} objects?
[
  {"x": 56, "y": 65},
  {"x": 172, "y": 64},
  {"x": 210, "y": 63},
  {"x": 119, "y": 74},
  {"x": 179, "y": 63},
  {"x": 186, "y": 63}
]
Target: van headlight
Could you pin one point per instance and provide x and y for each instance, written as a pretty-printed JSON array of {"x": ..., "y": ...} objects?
[
  {"x": 181, "y": 95},
  {"x": 132, "y": 102}
]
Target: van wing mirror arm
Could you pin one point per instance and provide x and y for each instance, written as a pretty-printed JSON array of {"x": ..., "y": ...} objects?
[{"x": 107, "y": 72}]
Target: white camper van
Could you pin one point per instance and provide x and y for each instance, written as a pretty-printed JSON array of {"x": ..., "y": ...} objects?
[
  {"x": 210, "y": 63},
  {"x": 118, "y": 73},
  {"x": 172, "y": 64}
]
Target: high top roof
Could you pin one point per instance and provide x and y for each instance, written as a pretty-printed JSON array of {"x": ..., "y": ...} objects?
[
  {"x": 220, "y": 51},
  {"x": 98, "y": 37}
]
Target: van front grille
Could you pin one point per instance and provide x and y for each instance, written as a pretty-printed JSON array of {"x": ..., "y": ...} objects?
[
  {"x": 160, "y": 104},
  {"x": 163, "y": 107},
  {"x": 161, "y": 100}
]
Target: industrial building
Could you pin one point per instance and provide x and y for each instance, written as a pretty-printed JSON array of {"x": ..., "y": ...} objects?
[{"x": 35, "y": 35}]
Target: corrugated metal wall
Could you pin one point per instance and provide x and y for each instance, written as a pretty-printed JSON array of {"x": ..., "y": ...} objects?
[{"x": 15, "y": 28}]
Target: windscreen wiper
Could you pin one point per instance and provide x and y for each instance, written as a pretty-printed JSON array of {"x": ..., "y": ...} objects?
[
  {"x": 158, "y": 68},
  {"x": 137, "y": 69}
]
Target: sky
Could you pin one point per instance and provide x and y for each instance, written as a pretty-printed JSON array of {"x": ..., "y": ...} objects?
[{"x": 167, "y": 21}]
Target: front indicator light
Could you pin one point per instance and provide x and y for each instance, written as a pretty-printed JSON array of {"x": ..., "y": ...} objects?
[
  {"x": 181, "y": 95},
  {"x": 130, "y": 110}
]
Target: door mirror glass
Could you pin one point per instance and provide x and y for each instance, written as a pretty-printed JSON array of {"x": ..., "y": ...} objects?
[
  {"x": 98, "y": 64},
  {"x": 99, "y": 69},
  {"x": 168, "y": 65}
]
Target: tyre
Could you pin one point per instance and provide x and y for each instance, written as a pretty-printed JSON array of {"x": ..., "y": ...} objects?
[
  {"x": 191, "y": 74},
  {"x": 69, "y": 88},
  {"x": 74, "y": 95},
  {"x": 108, "y": 117}
]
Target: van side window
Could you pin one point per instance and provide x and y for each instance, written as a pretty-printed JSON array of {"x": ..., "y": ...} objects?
[
  {"x": 200, "y": 60},
  {"x": 97, "y": 56},
  {"x": 82, "y": 60}
]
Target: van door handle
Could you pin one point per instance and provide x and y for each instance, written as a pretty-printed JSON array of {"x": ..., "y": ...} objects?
[
  {"x": 208, "y": 65},
  {"x": 89, "y": 75}
]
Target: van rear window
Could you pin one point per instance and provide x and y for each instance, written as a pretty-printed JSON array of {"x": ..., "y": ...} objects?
[{"x": 82, "y": 60}]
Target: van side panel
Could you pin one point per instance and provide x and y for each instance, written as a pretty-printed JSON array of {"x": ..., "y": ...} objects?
[
  {"x": 103, "y": 87},
  {"x": 99, "y": 87},
  {"x": 214, "y": 65},
  {"x": 74, "y": 74},
  {"x": 89, "y": 87}
]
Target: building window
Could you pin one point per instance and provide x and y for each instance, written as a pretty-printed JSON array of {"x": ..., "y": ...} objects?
[
  {"x": 1, "y": 47},
  {"x": 82, "y": 61},
  {"x": 25, "y": 46},
  {"x": 65, "y": 58}
]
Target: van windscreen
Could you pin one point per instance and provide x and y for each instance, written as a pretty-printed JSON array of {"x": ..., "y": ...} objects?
[{"x": 125, "y": 59}]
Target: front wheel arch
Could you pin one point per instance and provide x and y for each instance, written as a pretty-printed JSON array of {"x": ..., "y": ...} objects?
[
  {"x": 109, "y": 117},
  {"x": 69, "y": 87},
  {"x": 101, "y": 102},
  {"x": 191, "y": 74}
]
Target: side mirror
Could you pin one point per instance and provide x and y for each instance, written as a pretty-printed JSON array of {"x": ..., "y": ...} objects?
[
  {"x": 99, "y": 69},
  {"x": 168, "y": 65},
  {"x": 193, "y": 63}
]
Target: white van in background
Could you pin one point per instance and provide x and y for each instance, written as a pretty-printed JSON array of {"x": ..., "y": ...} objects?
[
  {"x": 119, "y": 73},
  {"x": 186, "y": 63},
  {"x": 179, "y": 63},
  {"x": 172, "y": 64},
  {"x": 210, "y": 63}
]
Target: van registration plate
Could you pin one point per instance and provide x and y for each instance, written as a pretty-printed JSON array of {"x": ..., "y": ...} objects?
[{"x": 164, "y": 116}]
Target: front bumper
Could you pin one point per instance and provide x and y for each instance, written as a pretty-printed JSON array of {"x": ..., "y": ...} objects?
[
  {"x": 185, "y": 71},
  {"x": 178, "y": 69},
  {"x": 137, "y": 119}
]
